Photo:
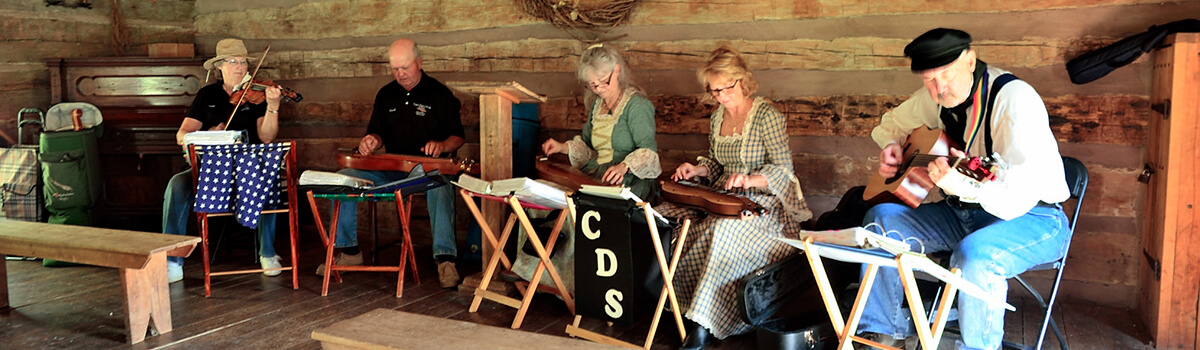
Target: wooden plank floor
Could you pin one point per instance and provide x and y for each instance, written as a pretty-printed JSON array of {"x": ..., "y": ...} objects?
[{"x": 80, "y": 308}]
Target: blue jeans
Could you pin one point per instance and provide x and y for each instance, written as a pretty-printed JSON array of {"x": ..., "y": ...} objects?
[
  {"x": 987, "y": 249},
  {"x": 177, "y": 209},
  {"x": 440, "y": 202}
]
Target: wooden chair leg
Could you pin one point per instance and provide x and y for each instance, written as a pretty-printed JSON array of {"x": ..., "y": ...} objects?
[{"x": 203, "y": 221}]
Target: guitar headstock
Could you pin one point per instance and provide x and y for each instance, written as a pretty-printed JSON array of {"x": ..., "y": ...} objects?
[
  {"x": 468, "y": 166},
  {"x": 980, "y": 169}
]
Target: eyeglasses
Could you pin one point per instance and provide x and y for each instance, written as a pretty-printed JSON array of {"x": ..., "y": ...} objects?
[
  {"x": 717, "y": 92},
  {"x": 606, "y": 81},
  {"x": 237, "y": 62}
]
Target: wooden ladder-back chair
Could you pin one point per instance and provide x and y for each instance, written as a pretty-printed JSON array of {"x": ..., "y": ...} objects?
[{"x": 287, "y": 183}]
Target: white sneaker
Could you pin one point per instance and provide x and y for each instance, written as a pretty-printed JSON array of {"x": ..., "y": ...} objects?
[
  {"x": 174, "y": 272},
  {"x": 271, "y": 263}
]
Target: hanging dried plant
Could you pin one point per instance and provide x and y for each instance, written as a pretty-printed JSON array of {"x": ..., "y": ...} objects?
[{"x": 569, "y": 16}]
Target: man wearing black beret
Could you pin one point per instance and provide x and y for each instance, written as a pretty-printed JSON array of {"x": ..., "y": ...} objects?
[{"x": 995, "y": 229}]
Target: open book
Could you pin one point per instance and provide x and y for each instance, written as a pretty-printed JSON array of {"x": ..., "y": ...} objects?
[
  {"x": 856, "y": 237},
  {"x": 527, "y": 190},
  {"x": 325, "y": 178},
  {"x": 617, "y": 192}
]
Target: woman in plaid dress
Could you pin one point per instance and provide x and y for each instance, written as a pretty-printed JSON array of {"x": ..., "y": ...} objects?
[{"x": 749, "y": 156}]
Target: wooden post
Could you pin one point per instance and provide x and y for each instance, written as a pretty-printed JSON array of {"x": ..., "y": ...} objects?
[{"x": 495, "y": 138}]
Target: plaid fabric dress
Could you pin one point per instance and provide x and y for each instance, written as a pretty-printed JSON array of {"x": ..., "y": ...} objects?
[{"x": 720, "y": 251}]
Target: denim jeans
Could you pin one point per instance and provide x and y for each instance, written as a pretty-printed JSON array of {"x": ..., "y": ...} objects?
[
  {"x": 440, "y": 202},
  {"x": 987, "y": 249},
  {"x": 177, "y": 209}
]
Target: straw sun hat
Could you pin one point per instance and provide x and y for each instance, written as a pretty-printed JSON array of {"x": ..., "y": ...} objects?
[{"x": 227, "y": 48}]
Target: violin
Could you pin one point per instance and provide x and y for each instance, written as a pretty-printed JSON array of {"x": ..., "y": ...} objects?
[
  {"x": 256, "y": 92},
  {"x": 561, "y": 173},
  {"x": 402, "y": 162},
  {"x": 716, "y": 203}
]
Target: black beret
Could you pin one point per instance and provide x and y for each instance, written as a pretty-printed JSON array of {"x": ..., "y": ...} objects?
[{"x": 937, "y": 48}]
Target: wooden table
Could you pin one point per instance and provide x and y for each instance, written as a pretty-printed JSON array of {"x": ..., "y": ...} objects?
[{"x": 141, "y": 257}]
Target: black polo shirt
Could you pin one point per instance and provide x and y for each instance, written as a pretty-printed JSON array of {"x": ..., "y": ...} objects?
[
  {"x": 407, "y": 120},
  {"x": 212, "y": 108}
]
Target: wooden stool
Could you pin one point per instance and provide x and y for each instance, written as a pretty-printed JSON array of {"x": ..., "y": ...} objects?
[{"x": 543, "y": 266}]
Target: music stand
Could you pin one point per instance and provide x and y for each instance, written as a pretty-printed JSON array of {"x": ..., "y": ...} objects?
[
  {"x": 668, "y": 289},
  {"x": 401, "y": 192},
  {"x": 905, "y": 262},
  {"x": 518, "y": 206}
]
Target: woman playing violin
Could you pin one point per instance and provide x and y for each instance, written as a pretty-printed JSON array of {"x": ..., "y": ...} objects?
[
  {"x": 211, "y": 111},
  {"x": 749, "y": 156},
  {"x": 617, "y": 145}
]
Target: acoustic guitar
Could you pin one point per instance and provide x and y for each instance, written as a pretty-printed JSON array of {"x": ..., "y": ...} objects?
[
  {"x": 403, "y": 162},
  {"x": 912, "y": 182},
  {"x": 559, "y": 170}
]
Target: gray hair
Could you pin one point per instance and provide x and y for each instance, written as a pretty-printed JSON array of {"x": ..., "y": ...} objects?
[{"x": 603, "y": 58}]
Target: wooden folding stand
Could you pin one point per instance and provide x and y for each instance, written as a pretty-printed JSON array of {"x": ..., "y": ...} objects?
[
  {"x": 517, "y": 215},
  {"x": 929, "y": 334},
  {"x": 667, "y": 293},
  {"x": 403, "y": 208}
]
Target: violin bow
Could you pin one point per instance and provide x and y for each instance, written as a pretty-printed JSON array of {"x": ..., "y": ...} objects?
[{"x": 251, "y": 80}]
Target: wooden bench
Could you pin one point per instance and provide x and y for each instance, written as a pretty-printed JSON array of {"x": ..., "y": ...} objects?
[
  {"x": 141, "y": 256},
  {"x": 391, "y": 329}
]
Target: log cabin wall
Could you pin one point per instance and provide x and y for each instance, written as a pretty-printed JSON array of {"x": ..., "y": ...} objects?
[
  {"x": 30, "y": 31},
  {"x": 833, "y": 67}
]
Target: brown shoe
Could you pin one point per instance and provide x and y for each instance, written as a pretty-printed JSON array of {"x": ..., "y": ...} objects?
[
  {"x": 447, "y": 274},
  {"x": 342, "y": 260}
]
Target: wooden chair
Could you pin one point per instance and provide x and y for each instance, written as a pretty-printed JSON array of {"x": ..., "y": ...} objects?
[
  {"x": 286, "y": 181},
  {"x": 544, "y": 266}
]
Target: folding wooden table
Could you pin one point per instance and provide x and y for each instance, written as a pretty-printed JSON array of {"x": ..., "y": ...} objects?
[{"x": 905, "y": 262}]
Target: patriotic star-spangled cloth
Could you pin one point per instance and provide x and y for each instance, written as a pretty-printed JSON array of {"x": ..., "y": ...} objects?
[{"x": 251, "y": 170}]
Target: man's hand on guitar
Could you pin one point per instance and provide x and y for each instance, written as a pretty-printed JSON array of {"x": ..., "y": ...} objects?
[
  {"x": 368, "y": 144},
  {"x": 890, "y": 159},
  {"x": 687, "y": 171},
  {"x": 433, "y": 148},
  {"x": 615, "y": 174},
  {"x": 939, "y": 167}
]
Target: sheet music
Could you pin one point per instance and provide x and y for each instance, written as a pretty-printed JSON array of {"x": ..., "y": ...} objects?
[
  {"x": 543, "y": 193},
  {"x": 618, "y": 192}
]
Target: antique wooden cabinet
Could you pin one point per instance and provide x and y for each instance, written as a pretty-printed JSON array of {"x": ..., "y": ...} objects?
[
  {"x": 1169, "y": 278},
  {"x": 143, "y": 101}
]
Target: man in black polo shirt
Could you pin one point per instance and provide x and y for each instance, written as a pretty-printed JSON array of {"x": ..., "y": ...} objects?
[{"x": 415, "y": 115}]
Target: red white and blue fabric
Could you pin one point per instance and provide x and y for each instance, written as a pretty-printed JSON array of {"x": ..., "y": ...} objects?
[{"x": 241, "y": 178}]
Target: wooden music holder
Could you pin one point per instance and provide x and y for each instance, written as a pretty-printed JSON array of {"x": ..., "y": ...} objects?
[
  {"x": 495, "y": 137},
  {"x": 929, "y": 334},
  {"x": 667, "y": 293},
  {"x": 407, "y": 254},
  {"x": 544, "y": 265}
]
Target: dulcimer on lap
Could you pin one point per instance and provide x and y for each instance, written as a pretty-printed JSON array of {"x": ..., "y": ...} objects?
[
  {"x": 562, "y": 173},
  {"x": 715, "y": 202},
  {"x": 404, "y": 162}
]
